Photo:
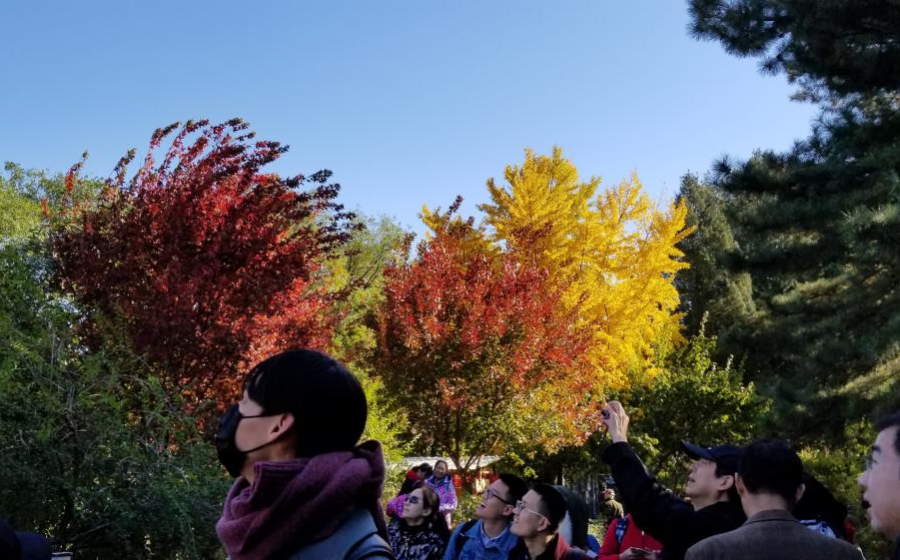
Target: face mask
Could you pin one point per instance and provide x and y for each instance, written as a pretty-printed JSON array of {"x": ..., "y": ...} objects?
[{"x": 231, "y": 457}]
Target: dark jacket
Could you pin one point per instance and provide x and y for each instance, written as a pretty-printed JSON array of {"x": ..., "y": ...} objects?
[
  {"x": 557, "y": 549},
  {"x": 415, "y": 543},
  {"x": 668, "y": 519},
  {"x": 780, "y": 535}
]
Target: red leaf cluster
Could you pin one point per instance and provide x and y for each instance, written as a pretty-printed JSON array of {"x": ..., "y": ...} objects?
[
  {"x": 210, "y": 262},
  {"x": 466, "y": 333}
]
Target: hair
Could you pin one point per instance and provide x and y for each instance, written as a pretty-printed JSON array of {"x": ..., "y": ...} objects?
[
  {"x": 890, "y": 422},
  {"x": 732, "y": 492},
  {"x": 517, "y": 487},
  {"x": 327, "y": 401},
  {"x": 771, "y": 466},
  {"x": 408, "y": 486},
  {"x": 435, "y": 519},
  {"x": 553, "y": 505},
  {"x": 818, "y": 503}
]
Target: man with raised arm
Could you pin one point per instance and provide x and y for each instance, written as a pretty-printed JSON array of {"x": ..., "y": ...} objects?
[{"x": 714, "y": 506}]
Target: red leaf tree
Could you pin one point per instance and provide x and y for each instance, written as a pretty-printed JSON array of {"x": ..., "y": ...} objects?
[
  {"x": 477, "y": 351},
  {"x": 208, "y": 262}
]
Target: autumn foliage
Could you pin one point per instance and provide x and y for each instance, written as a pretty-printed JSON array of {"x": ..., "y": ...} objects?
[
  {"x": 209, "y": 262},
  {"x": 512, "y": 332},
  {"x": 473, "y": 345},
  {"x": 613, "y": 252}
]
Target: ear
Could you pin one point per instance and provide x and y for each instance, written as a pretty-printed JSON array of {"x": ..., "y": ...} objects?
[
  {"x": 544, "y": 524},
  {"x": 726, "y": 482},
  {"x": 284, "y": 423},
  {"x": 509, "y": 510}
]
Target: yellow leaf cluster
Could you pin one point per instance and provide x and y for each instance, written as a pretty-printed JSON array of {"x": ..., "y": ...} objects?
[{"x": 614, "y": 252}]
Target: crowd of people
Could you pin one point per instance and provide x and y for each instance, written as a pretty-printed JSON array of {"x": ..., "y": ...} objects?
[{"x": 306, "y": 489}]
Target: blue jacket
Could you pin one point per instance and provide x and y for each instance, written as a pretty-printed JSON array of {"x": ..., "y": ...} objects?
[{"x": 473, "y": 548}]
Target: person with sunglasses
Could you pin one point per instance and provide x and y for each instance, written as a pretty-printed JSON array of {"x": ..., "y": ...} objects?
[
  {"x": 421, "y": 532},
  {"x": 536, "y": 523},
  {"x": 488, "y": 536}
]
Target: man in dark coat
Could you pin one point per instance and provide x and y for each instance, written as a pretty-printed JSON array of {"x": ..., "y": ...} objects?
[
  {"x": 714, "y": 507},
  {"x": 770, "y": 481}
]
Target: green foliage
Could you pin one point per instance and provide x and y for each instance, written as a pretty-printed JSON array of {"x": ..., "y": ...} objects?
[
  {"x": 19, "y": 206},
  {"x": 838, "y": 47},
  {"x": 709, "y": 291},
  {"x": 816, "y": 227},
  {"x": 359, "y": 272},
  {"x": 103, "y": 462},
  {"x": 694, "y": 399},
  {"x": 96, "y": 455}
]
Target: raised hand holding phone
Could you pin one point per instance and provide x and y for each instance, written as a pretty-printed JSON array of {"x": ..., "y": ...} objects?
[{"x": 615, "y": 420}]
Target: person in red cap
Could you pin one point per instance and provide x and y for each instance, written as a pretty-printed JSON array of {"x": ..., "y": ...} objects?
[{"x": 714, "y": 506}]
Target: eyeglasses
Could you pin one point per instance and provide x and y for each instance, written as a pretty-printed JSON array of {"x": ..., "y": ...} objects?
[
  {"x": 489, "y": 493},
  {"x": 520, "y": 506}
]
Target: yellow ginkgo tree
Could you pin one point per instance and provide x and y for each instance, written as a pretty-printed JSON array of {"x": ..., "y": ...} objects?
[{"x": 613, "y": 251}]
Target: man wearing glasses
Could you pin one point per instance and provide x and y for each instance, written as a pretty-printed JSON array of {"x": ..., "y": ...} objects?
[
  {"x": 715, "y": 506},
  {"x": 536, "y": 523},
  {"x": 488, "y": 537}
]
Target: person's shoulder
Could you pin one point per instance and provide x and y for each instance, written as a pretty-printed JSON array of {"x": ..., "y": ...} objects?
[
  {"x": 712, "y": 547},
  {"x": 725, "y": 514},
  {"x": 838, "y": 548}
]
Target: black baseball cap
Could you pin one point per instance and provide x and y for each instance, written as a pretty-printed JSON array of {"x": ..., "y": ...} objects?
[
  {"x": 16, "y": 545},
  {"x": 725, "y": 456}
]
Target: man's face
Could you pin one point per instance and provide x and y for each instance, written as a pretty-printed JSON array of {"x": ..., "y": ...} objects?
[
  {"x": 702, "y": 482},
  {"x": 495, "y": 502},
  {"x": 529, "y": 521},
  {"x": 880, "y": 484}
]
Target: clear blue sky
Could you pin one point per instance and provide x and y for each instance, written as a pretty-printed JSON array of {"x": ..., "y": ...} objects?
[{"x": 408, "y": 102}]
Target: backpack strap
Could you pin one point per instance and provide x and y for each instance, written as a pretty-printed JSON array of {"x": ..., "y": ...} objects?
[
  {"x": 372, "y": 546},
  {"x": 461, "y": 537},
  {"x": 356, "y": 539}
]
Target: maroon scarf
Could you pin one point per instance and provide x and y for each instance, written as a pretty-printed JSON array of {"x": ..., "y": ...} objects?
[{"x": 293, "y": 503}]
